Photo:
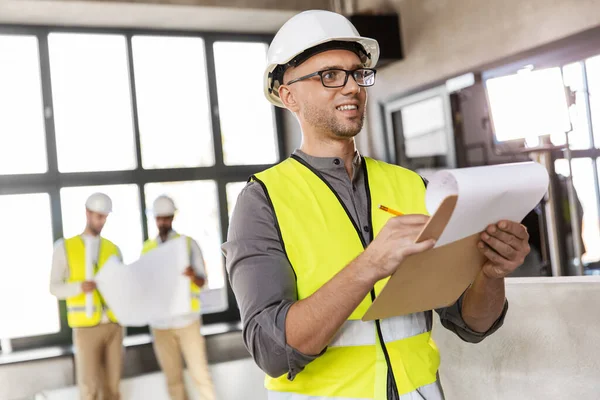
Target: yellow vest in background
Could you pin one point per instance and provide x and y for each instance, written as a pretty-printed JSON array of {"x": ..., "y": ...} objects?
[
  {"x": 76, "y": 314},
  {"x": 151, "y": 244},
  {"x": 320, "y": 239}
]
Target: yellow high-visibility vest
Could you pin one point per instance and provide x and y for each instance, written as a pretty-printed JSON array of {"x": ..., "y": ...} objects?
[
  {"x": 151, "y": 244},
  {"x": 76, "y": 311},
  {"x": 320, "y": 239}
]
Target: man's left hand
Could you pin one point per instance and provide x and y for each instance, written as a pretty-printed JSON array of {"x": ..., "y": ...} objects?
[
  {"x": 198, "y": 280},
  {"x": 189, "y": 272},
  {"x": 505, "y": 244}
]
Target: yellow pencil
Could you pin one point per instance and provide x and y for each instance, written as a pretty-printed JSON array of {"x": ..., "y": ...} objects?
[{"x": 391, "y": 211}]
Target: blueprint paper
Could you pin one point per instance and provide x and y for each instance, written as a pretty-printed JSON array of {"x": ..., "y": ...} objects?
[{"x": 151, "y": 288}]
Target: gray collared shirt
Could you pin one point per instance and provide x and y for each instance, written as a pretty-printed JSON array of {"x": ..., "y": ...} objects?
[{"x": 263, "y": 280}]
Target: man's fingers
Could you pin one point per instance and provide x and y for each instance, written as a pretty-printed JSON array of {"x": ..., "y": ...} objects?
[
  {"x": 514, "y": 228},
  {"x": 411, "y": 219},
  {"x": 499, "y": 247},
  {"x": 419, "y": 247},
  {"x": 509, "y": 239}
]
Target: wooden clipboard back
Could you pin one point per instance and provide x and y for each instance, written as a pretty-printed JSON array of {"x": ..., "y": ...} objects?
[{"x": 433, "y": 279}]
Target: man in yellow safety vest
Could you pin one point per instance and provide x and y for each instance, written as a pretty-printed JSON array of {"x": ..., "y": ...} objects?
[
  {"x": 97, "y": 336},
  {"x": 308, "y": 251},
  {"x": 181, "y": 334}
]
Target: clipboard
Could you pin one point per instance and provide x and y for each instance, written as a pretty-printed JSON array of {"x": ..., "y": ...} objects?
[{"x": 433, "y": 279}]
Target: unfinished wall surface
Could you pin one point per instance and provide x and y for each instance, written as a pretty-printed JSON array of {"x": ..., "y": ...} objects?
[
  {"x": 444, "y": 38},
  {"x": 547, "y": 349},
  {"x": 262, "y": 4},
  {"x": 151, "y": 15}
]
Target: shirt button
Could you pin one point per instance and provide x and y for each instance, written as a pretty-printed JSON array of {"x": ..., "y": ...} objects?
[
  {"x": 366, "y": 228},
  {"x": 336, "y": 161}
]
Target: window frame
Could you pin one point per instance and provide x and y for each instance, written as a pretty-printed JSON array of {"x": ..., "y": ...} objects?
[{"x": 52, "y": 181}]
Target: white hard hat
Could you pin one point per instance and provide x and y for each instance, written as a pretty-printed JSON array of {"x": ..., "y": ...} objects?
[
  {"x": 163, "y": 206},
  {"x": 307, "y": 30},
  {"x": 100, "y": 203}
]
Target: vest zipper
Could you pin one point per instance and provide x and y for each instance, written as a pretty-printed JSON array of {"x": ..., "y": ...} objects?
[{"x": 392, "y": 389}]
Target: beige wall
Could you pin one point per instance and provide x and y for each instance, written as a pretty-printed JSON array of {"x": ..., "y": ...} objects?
[
  {"x": 159, "y": 15},
  {"x": 443, "y": 38},
  {"x": 262, "y": 4}
]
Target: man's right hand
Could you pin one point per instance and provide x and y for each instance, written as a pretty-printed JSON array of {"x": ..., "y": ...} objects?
[
  {"x": 394, "y": 244},
  {"x": 88, "y": 286}
]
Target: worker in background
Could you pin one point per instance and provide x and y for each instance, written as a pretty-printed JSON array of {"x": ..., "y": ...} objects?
[
  {"x": 97, "y": 336},
  {"x": 307, "y": 248},
  {"x": 181, "y": 334}
]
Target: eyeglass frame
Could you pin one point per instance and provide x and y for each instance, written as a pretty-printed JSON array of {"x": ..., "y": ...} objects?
[{"x": 348, "y": 72}]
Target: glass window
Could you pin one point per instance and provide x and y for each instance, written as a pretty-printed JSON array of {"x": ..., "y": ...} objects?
[
  {"x": 528, "y": 104},
  {"x": 26, "y": 306},
  {"x": 92, "y": 102},
  {"x": 22, "y": 133},
  {"x": 593, "y": 75},
  {"x": 123, "y": 226},
  {"x": 233, "y": 190},
  {"x": 197, "y": 216},
  {"x": 172, "y": 100},
  {"x": 583, "y": 180},
  {"x": 247, "y": 119}
]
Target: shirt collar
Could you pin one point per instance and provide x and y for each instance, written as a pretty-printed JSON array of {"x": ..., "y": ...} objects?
[{"x": 331, "y": 163}]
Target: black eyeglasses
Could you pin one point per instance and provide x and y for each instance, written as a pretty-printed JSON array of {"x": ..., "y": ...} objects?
[{"x": 336, "y": 78}]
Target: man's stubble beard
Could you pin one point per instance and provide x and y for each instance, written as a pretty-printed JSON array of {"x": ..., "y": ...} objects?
[{"x": 326, "y": 122}]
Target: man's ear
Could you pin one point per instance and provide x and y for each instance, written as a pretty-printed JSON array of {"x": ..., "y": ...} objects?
[{"x": 288, "y": 99}]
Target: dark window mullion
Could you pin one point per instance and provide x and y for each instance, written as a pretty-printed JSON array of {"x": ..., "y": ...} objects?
[
  {"x": 588, "y": 115},
  {"x": 51, "y": 146},
  {"x": 211, "y": 78},
  {"x": 137, "y": 136}
]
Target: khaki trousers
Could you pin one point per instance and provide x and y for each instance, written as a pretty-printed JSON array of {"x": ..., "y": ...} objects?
[
  {"x": 99, "y": 361},
  {"x": 169, "y": 344}
]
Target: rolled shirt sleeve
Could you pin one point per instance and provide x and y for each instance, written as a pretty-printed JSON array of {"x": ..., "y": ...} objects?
[
  {"x": 451, "y": 318},
  {"x": 263, "y": 282}
]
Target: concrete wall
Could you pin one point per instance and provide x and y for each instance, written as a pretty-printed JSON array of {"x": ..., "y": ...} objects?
[
  {"x": 142, "y": 15},
  {"x": 548, "y": 347},
  {"x": 444, "y": 38},
  {"x": 261, "y": 4}
]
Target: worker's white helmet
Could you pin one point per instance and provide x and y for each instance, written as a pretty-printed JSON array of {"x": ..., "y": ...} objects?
[
  {"x": 163, "y": 206},
  {"x": 100, "y": 203},
  {"x": 312, "y": 30}
]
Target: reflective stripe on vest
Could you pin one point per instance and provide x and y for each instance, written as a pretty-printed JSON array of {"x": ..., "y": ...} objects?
[
  {"x": 427, "y": 392},
  {"x": 359, "y": 333},
  {"x": 320, "y": 239},
  {"x": 151, "y": 244},
  {"x": 76, "y": 305}
]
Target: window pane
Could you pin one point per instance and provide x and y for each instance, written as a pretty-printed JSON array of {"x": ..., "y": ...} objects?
[
  {"x": 197, "y": 217},
  {"x": 123, "y": 226},
  {"x": 593, "y": 75},
  {"x": 583, "y": 180},
  {"x": 172, "y": 100},
  {"x": 247, "y": 119},
  {"x": 22, "y": 133},
  {"x": 26, "y": 306},
  {"x": 528, "y": 105},
  {"x": 92, "y": 102},
  {"x": 233, "y": 190}
]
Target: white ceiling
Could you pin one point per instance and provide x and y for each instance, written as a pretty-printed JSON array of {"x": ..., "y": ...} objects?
[{"x": 130, "y": 15}]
